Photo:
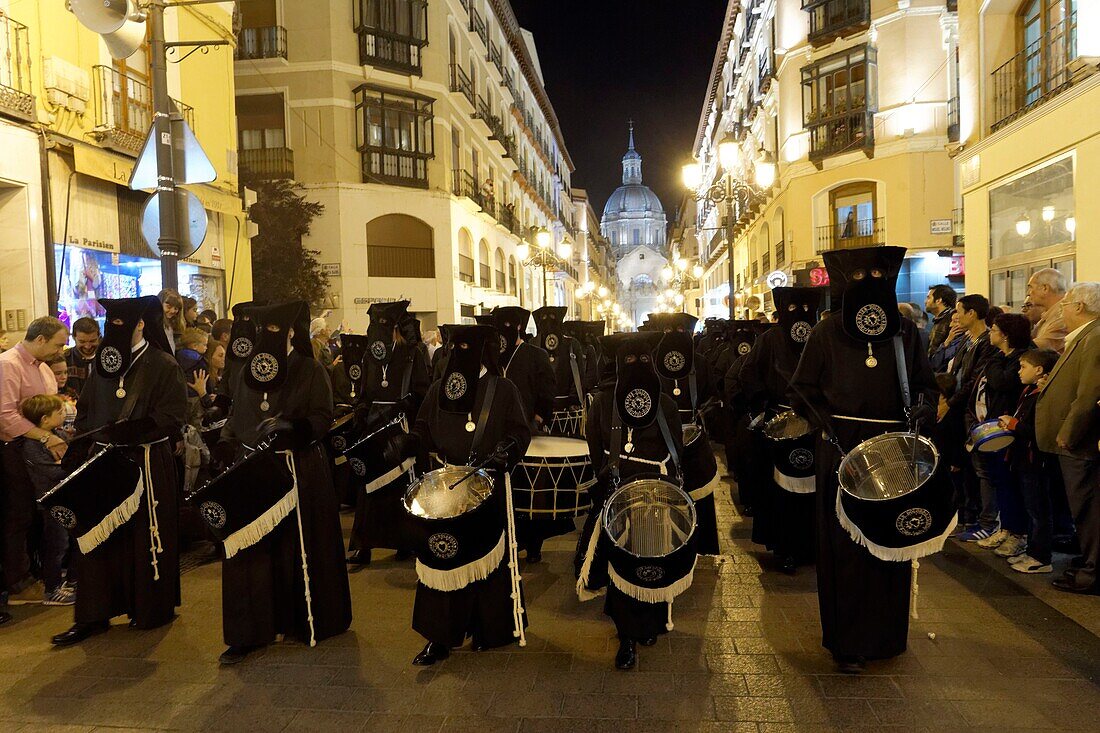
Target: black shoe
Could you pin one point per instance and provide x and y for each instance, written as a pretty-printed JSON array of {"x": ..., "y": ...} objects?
[
  {"x": 80, "y": 632},
  {"x": 402, "y": 555},
  {"x": 850, "y": 665},
  {"x": 359, "y": 557},
  {"x": 236, "y": 654},
  {"x": 4, "y": 617},
  {"x": 430, "y": 654},
  {"x": 788, "y": 565},
  {"x": 1070, "y": 585},
  {"x": 648, "y": 642},
  {"x": 627, "y": 656}
]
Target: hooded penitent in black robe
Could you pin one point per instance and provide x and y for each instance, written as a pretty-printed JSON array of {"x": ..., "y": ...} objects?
[
  {"x": 743, "y": 443},
  {"x": 864, "y": 601},
  {"x": 566, "y": 356},
  {"x": 263, "y": 589},
  {"x": 119, "y": 576},
  {"x": 483, "y": 609}
]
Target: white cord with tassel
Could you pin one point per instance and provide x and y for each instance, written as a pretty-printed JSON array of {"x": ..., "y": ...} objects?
[
  {"x": 513, "y": 562},
  {"x": 155, "y": 545},
  {"x": 302, "y": 543}
]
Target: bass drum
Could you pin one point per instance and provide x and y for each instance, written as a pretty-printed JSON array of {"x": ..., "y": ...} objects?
[
  {"x": 567, "y": 422},
  {"x": 552, "y": 480},
  {"x": 457, "y": 527},
  {"x": 894, "y": 499},
  {"x": 700, "y": 469}
]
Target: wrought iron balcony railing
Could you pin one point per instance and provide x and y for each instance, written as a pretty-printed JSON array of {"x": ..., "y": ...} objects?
[
  {"x": 124, "y": 109},
  {"x": 460, "y": 82},
  {"x": 268, "y": 163},
  {"x": 953, "y": 119},
  {"x": 16, "y": 99},
  {"x": 478, "y": 27},
  {"x": 841, "y": 133},
  {"x": 853, "y": 233},
  {"x": 1035, "y": 74},
  {"x": 261, "y": 43},
  {"x": 832, "y": 19},
  {"x": 494, "y": 57}
]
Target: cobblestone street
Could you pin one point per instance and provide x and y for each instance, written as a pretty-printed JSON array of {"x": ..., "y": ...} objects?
[{"x": 745, "y": 656}]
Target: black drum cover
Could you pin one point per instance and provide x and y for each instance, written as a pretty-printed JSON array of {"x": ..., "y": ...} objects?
[
  {"x": 245, "y": 503},
  {"x": 793, "y": 445},
  {"x": 364, "y": 457},
  {"x": 101, "y": 495},
  {"x": 454, "y": 551},
  {"x": 343, "y": 433}
]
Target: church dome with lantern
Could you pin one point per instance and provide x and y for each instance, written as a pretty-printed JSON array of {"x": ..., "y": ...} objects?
[{"x": 633, "y": 215}]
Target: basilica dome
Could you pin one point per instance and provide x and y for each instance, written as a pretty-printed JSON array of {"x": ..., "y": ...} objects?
[{"x": 633, "y": 215}]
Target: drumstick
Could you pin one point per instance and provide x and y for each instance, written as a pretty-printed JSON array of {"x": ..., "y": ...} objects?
[{"x": 485, "y": 462}]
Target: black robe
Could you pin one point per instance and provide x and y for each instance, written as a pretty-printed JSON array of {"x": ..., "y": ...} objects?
[
  {"x": 483, "y": 609},
  {"x": 565, "y": 387},
  {"x": 864, "y": 601},
  {"x": 263, "y": 589},
  {"x": 118, "y": 576},
  {"x": 633, "y": 619},
  {"x": 742, "y": 443},
  {"x": 379, "y": 516},
  {"x": 782, "y": 521}
]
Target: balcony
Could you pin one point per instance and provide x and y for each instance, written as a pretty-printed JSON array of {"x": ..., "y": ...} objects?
[
  {"x": 478, "y": 27},
  {"x": 268, "y": 164},
  {"x": 765, "y": 72},
  {"x": 261, "y": 43},
  {"x": 849, "y": 235},
  {"x": 957, "y": 222},
  {"x": 391, "y": 34},
  {"x": 460, "y": 82},
  {"x": 832, "y": 19},
  {"x": 840, "y": 133},
  {"x": 780, "y": 253},
  {"x": 495, "y": 58},
  {"x": 1035, "y": 74},
  {"x": 16, "y": 99},
  {"x": 464, "y": 185},
  {"x": 508, "y": 82},
  {"x": 953, "y": 119},
  {"x": 124, "y": 110}
]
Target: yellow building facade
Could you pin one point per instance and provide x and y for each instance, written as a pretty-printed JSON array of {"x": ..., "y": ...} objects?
[
  {"x": 1028, "y": 158},
  {"x": 854, "y": 103},
  {"x": 72, "y": 123}
]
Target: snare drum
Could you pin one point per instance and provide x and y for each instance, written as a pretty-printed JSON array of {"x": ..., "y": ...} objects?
[
  {"x": 651, "y": 527},
  {"x": 567, "y": 422},
  {"x": 458, "y": 533},
  {"x": 553, "y": 479},
  {"x": 990, "y": 437},
  {"x": 793, "y": 444}
]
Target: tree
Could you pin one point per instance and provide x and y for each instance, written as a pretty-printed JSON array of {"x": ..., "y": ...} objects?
[{"x": 283, "y": 269}]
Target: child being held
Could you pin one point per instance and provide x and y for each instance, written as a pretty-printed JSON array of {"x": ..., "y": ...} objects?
[
  {"x": 1029, "y": 475},
  {"x": 47, "y": 412}
]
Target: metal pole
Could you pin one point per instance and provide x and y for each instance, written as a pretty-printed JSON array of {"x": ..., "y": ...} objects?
[
  {"x": 544, "y": 282},
  {"x": 729, "y": 240},
  {"x": 168, "y": 243}
]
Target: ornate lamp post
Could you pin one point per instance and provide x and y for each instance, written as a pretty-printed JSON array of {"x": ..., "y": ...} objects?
[
  {"x": 543, "y": 255},
  {"x": 734, "y": 192}
]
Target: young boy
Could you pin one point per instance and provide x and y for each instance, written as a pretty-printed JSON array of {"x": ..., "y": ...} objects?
[
  {"x": 47, "y": 412},
  {"x": 1029, "y": 464}
]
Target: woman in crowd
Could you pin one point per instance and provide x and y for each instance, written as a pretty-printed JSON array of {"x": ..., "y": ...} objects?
[{"x": 172, "y": 304}]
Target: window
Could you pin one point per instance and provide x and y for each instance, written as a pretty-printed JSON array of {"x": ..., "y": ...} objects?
[
  {"x": 513, "y": 286},
  {"x": 399, "y": 246},
  {"x": 831, "y": 19},
  {"x": 394, "y": 135},
  {"x": 1033, "y": 212},
  {"x": 465, "y": 256},
  {"x": 484, "y": 269},
  {"x": 637, "y": 236},
  {"x": 391, "y": 33},
  {"x": 839, "y": 98},
  {"x": 498, "y": 273}
]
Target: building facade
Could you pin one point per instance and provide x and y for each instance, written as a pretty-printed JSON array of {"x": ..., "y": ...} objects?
[
  {"x": 426, "y": 132},
  {"x": 1028, "y": 152},
  {"x": 72, "y": 121},
  {"x": 855, "y": 102}
]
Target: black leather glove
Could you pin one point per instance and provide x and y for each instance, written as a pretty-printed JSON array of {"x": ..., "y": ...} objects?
[
  {"x": 399, "y": 447},
  {"x": 362, "y": 411},
  {"x": 922, "y": 416},
  {"x": 501, "y": 457}
]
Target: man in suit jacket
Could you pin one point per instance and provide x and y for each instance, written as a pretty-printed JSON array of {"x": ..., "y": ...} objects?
[{"x": 1067, "y": 423}]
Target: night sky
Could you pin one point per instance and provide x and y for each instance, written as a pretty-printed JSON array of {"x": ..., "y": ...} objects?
[{"x": 606, "y": 61}]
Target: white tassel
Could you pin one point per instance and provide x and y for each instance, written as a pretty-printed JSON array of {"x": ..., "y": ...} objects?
[
  {"x": 795, "y": 484},
  {"x": 121, "y": 514},
  {"x": 669, "y": 626},
  {"x": 464, "y": 575},
  {"x": 302, "y": 542},
  {"x": 707, "y": 490},
  {"x": 914, "y": 590},
  {"x": 893, "y": 554},
  {"x": 583, "y": 593},
  {"x": 513, "y": 564},
  {"x": 155, "y": 545},
  {"x": 261, "y": 526},
  {"x": 385, "y": 479},
  {"x": 653, "y": 595}
]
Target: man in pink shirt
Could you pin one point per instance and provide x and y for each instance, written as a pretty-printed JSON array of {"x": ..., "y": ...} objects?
[{"x": 24, "y": 373}]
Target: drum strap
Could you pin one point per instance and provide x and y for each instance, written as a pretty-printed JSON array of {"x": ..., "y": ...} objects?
[
  {"x": 903, "y": 372},
  {"x": 483, "y": 418},
  {"x": 406, "y": 379},
  {"x": 667, "y": 435},
  {"x": 573, "y": 367}
]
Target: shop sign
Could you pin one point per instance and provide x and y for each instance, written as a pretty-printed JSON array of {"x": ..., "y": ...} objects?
[
  {"x": 369, "y": 301},
  {"x": 331, "y": 269},
  {"x": 819, "y": 277},
  {"x": 86, "y": 243},
  {"x": 957, "y": 266},
  {"x": 777, "y": 279},
  {"x": 940, "y": 226}
]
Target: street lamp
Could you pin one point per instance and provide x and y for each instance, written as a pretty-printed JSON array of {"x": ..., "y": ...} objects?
[{"x": 543, "y": 255}]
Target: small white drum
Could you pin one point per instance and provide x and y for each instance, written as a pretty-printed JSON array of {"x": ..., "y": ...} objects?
[
  {"x": 567, "y": 422},
  {"x": 552, "y": 480}
]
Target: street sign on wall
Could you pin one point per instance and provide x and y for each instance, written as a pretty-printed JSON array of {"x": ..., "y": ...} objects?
[{"x": 940, "y": 226}]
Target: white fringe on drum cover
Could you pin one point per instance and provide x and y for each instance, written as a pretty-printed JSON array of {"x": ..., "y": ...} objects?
[
  {"x": 462, "y": 576},
  {"x": 892, "y": 554},
  {"x": 393, "y": 474},
  {"x": 795, "y": 484}
]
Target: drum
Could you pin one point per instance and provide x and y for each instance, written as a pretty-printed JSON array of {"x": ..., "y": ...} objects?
[
  {"x": 892, "y": 499},
  {"x": 700, "y": 470},
  {"x": 989, "y": 437},
  {"x": 792, "y": 447},
  {"x": 567, "y": 422},
  {"x": 364, "y": 457},
  {"x": 97, "y": 498},
  {"x": 342, "y": 434},
  {"x": 552, "y": 480},
  {"x": 457, "y": 527},
  {"x": 651, "y": 527},
  {"x": 244, "y": 504}
]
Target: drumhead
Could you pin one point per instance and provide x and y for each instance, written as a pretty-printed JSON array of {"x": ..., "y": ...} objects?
[
  {"x": 552, "y": 446},
  {"x": 787, "y": 426},
  {"x": 996, "y": 443},
  {"x": 649, "y": 518},
  {"x": 430, "y": 496},
  {"x": 888, "y": 466}
]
